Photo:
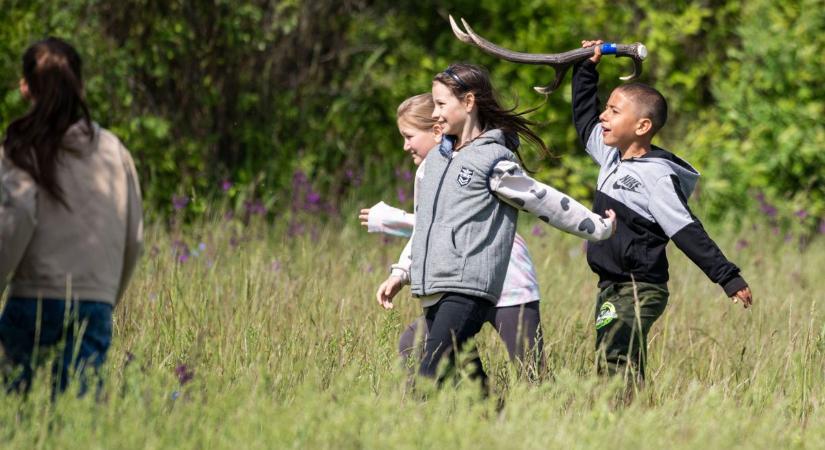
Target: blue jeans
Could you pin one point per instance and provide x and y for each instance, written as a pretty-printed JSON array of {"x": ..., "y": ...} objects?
[{"x": 72, "y": 340}]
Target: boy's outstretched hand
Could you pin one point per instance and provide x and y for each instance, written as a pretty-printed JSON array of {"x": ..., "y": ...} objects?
[
  {"x": 744, "y": 295},
  {"x": 387, "y": 291},
  {"x": 598, "y": 55},
  {"x": 612, "y": 216}
]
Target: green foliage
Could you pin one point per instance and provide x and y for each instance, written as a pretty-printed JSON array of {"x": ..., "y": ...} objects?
[
  {"x": 765, "y": 137},
  {"x": 257, "y": 91}
]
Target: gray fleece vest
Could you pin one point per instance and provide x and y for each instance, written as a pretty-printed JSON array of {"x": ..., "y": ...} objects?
[{"x": 463, "y": 232}]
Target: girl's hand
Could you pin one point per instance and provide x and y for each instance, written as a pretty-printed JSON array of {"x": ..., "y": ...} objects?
[
  {"x": 598, "y": 44},
  {"x": 364, "y": 216},
  {"x": 388, "y": 289},
  {"x": 612, "y": 216},
  {"x": 744, "y": 295}
]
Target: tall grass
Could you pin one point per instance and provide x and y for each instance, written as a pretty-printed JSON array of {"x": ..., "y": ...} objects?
[{"x": 261, "y": 340}]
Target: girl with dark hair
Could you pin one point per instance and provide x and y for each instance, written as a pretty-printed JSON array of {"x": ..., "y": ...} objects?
[
  {"x": 71, "y": 224},
  {"x": 465, "y": 222},
  {"x": 516, "y": 315}
]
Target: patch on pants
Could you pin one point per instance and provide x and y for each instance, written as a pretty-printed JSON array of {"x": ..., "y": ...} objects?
[{"x": 606, "y": 315}]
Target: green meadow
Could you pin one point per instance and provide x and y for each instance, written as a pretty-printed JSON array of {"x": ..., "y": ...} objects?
[{"x": 253, "y": 335}]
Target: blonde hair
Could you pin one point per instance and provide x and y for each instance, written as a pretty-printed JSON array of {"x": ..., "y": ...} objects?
[{"x": 417, "y": 111}]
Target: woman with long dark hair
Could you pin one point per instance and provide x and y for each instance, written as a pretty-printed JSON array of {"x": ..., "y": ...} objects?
[{"x": 71, "y": 225}]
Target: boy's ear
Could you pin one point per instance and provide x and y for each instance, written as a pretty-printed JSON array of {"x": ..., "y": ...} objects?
[
  {"x": 643, "y": 126},
  {"x": 469, "y": 101}
]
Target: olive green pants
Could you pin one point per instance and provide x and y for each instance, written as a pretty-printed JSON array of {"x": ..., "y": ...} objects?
[{"x": 623, "y": 320}]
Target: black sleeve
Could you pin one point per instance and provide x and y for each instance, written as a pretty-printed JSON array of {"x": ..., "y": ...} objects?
[
  {"x": 694, "y": 241},
  {"x": 586, "y": 107}
]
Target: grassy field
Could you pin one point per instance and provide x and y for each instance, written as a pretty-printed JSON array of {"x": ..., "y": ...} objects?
[{"x": 252, "y": 339}]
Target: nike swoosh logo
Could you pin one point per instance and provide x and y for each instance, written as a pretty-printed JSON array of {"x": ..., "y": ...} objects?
[{"x": 619, "y": 186}]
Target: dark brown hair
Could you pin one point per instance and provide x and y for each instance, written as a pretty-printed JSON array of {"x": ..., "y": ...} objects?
[
  {"x": 53, "y": 71},
  {"x": 652, "y": 104},
  {"x": 463, "y": 78}
]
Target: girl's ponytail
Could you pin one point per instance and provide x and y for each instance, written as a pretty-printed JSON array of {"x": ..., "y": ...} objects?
[{"x": 52, "y": 69}]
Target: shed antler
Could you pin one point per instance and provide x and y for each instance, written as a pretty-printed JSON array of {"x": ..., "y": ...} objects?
[{"x": 560, "y": 62}]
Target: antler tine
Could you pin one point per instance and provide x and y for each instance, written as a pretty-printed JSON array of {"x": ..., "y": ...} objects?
[
  {"x": 501, "y": 52},
  {"x": 637, "y": 70},
  {"x": 547, "y": 90},
  {"x": 462, "y": 36}
]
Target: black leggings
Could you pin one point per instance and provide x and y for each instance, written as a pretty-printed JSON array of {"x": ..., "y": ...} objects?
[{"x": 519, "y": 326}]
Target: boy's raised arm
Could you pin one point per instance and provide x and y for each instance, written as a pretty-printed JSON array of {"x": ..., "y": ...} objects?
[{"x": 586, "y": 106}]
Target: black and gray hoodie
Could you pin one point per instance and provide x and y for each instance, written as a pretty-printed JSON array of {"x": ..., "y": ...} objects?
[{"x": 649, "y": 195}]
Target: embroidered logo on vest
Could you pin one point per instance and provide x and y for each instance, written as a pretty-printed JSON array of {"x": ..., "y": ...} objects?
[{"x": 464, "y": 176}]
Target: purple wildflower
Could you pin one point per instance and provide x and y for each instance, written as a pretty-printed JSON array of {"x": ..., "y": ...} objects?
[
  {"x": 226, "y": 184},
  {"x": 259, "y": 208},
  {"x": 538, "y": 230},
  {"x": 202, "y": 247},
  {"x": 402, "y": 195},
  {"x": 353, "y": 177},
  {"x": 405, "y": 175},
  {"x": 181, "y": 251},
  {"x": 802, "y": 214},
  {"x": 184, "y": 373},
  {"x": 299, "y": 178},
  {"x": 768, "y": 209},
  {"x": 255, "y": 207},
  {"x": 179, "y": 202},
  {"x": 313, "y": 198}
]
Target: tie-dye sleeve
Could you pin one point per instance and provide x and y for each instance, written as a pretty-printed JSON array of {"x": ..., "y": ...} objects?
[
  {"x": 389, "y": 220},
  {"x": 510, "y": 184}
]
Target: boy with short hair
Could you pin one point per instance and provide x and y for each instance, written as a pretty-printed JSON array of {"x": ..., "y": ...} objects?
[{"x": 648, "y": 187}]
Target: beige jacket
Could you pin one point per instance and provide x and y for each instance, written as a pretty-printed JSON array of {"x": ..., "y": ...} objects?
[{"x": 88, "y": 252}]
